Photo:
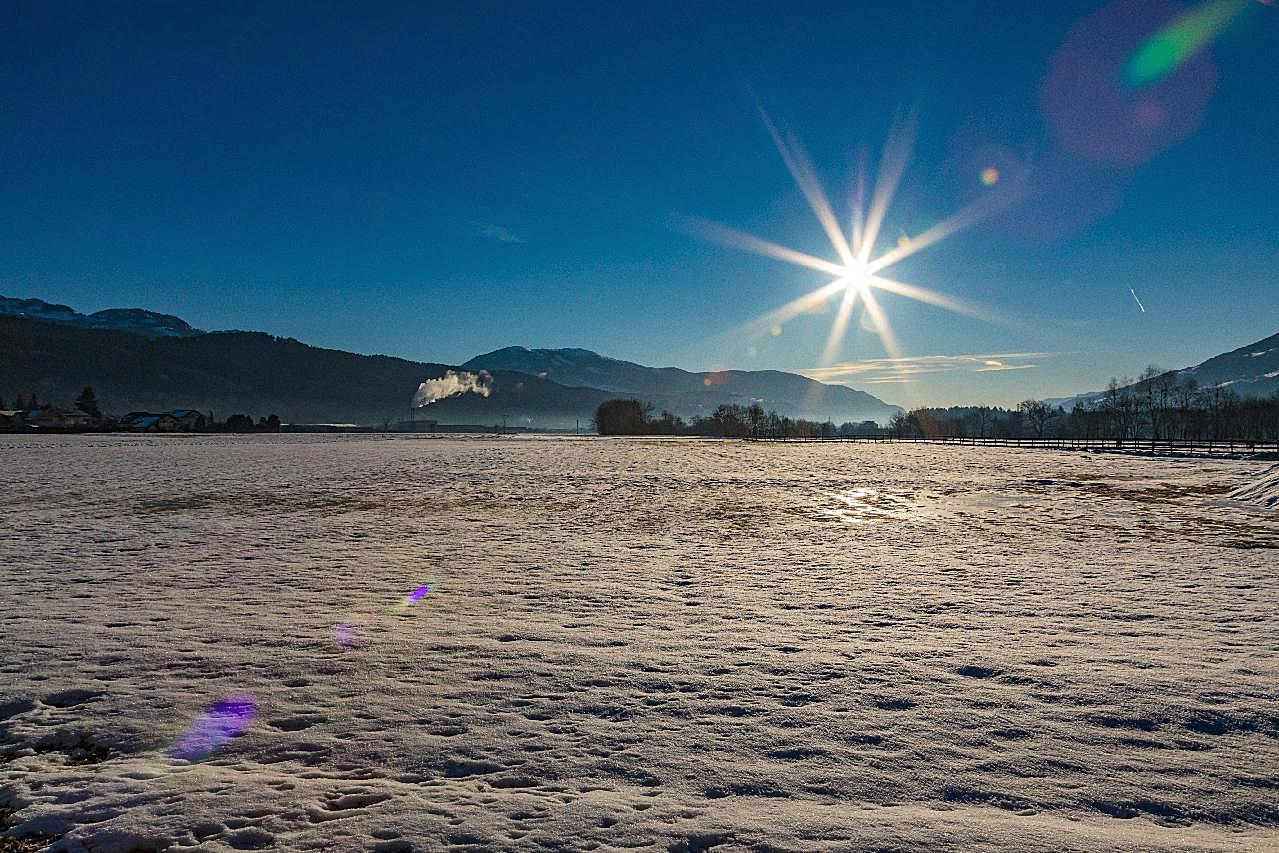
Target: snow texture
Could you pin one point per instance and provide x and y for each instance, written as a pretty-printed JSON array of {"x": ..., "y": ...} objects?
[
  {"x": 669, "y": 645},
  {"x": 1262, "y": 493}
]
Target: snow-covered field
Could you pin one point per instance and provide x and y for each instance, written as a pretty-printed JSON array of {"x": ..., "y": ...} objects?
[{"x": 653, "y": 644}]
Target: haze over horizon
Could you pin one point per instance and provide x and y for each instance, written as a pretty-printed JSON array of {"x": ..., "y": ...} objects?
[{"x": 439, "y": 183}]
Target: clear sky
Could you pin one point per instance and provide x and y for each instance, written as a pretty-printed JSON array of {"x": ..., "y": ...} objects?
[{"x": 435, "y": 181}]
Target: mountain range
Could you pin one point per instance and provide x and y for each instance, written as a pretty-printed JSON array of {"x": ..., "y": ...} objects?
[
  {"x": 138, "y": 360},
  {"x": 136, "y": 320},
  {"x": 690, "y": 394},
  {"x": 1249, "y": 371},
  {"x": 141, "y": 360}
]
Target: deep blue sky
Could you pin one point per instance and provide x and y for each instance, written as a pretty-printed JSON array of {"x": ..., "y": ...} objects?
[{"x": 436, "y": 182}]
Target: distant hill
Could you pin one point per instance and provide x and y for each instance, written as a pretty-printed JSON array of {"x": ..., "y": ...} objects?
[
  {"x": 258, "y": 374},
  {"x": 134, "y": 320},
  {"x": 690, "y": 394},
  {"x": 1249, "y": 371},
  {"x": 139, "y": 360}
]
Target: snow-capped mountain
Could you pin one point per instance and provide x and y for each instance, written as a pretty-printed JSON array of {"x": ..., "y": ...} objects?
[
  {"x": 135, "y": 320},
  {"x": 1249, "y": 371}
]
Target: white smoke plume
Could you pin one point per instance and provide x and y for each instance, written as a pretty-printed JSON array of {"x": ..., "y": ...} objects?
[{"x": 452, "y": 383}]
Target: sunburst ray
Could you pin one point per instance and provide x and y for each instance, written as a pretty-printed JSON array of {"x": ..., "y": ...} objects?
[
  {"x": 723, "y": 234},
  {"x": 837, "y": 328},
  {"x": 805, "y": 177},
  {"x": 882, "y": 327},
  {"x": 803, "y": 305},
  {"x": 932, "y": 297},
  {"x": 965, "y": 217},
  {"x": 892, "y": 165},
  {"x": 857, "y": 273}
]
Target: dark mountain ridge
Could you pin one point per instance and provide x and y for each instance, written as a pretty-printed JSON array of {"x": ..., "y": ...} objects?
[
  {"x": 256, "y": 373},
  {"x": 139, "y": 360}
]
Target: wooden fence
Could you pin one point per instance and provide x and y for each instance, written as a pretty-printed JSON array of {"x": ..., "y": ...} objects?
[{"x": 1164, "y": 445}]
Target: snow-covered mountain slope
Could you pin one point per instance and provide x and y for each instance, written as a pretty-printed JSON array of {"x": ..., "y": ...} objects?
[
  {"x": 135, "y": 320},
  {"x": 1249, "y": 371}
]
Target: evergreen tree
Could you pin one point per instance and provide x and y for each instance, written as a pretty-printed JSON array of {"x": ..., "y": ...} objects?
[
  {"x": 239, "y": 423},
  {"x": 87, "y": 402}
]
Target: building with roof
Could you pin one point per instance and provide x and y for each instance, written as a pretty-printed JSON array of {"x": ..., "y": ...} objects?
[
  {"x": 147, "y": 422},
  {"x": 191, "y": 419},
  {"x": 52, "y": 418},
  {"x": 12, "y": 420}
]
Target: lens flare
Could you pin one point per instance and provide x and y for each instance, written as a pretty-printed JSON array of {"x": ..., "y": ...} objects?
[
  {"x": 990, "y": 176},
  {"x": 1110, "y": 94},
  {"x": 223, "y": 721},
  {"x": 1179, "y": 41}
]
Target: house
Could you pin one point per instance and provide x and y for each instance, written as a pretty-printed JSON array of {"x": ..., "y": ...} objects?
[
  {"x": 176, "y": 420},
  {"x": 12, "y": 421},
  {"x": 190, "y": 419},
  {"x": 54, "y": 418},
  {"x": 147, "y": 422}
]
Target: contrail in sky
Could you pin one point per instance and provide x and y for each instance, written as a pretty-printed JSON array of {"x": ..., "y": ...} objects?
[{"x": 1134, "y": 296}]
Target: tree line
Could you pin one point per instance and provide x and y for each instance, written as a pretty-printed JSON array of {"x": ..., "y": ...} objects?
[
  {"x": 1158, "y": 405},
  {"x": 86, "y": 403},
  {"x": 730, "y": 420}
]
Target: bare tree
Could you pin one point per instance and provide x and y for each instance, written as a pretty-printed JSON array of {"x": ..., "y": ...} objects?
[
  {"x": 1037, "y": 413},
  {"x": 979, "y": 419},
  {"x": 1185, "y": 394},
  {"x": 755, "y": 418}
]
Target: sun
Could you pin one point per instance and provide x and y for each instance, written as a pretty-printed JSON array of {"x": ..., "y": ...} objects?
[
  {"x": 859, "y": 271},
  {"x": 856, "y": 279}
]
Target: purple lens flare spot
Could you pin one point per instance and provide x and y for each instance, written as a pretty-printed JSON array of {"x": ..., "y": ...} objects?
[
  {"x": 418, "y": 594},
  {"x": 224, "y": 720}
]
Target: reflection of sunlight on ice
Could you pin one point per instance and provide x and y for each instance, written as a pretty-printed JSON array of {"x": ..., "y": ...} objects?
[{"x": 863, "y": 506}]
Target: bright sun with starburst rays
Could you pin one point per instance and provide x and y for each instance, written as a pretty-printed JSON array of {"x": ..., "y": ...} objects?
[{"x": 859, "y": 270}]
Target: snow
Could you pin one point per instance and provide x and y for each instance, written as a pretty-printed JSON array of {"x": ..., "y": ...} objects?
[
  {"x": 633, "y": 643},
  {"x": 1263, "y": 492}
]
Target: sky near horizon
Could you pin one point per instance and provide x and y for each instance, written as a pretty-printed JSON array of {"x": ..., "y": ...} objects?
[{"x": 436, "y": 181}]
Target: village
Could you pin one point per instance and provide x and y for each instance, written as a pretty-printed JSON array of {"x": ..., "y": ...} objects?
[{"x": 29, "y": 415}]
